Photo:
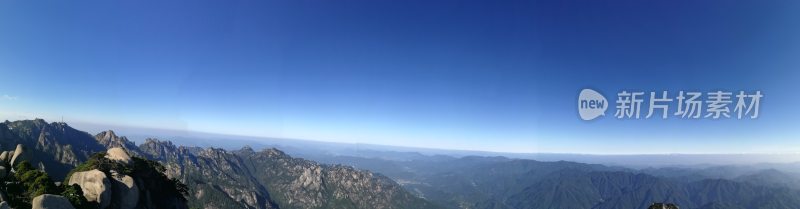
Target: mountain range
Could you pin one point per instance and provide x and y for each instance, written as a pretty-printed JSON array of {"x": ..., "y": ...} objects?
[
  {"x": 271, "y": 178},
  {"x": 499, "y": 182},
  {"x": 218, "y": 178}
]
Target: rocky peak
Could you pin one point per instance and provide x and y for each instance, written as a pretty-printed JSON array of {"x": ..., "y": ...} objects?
[
  {"x": 109, "y": 139},
  {"x": 153, "y": 142},
  {"x": 158, "y": 149},
  {"x": 212, "y": 152},
  {"x": 273, "y": 152},
  {"x": 247, "y": 148},
  {"x": 39, "y": 122},
  {"x": 119, "y": 155},
  {"x": 54, "y": 146},
  {"x": 108, "y": 134},
  {"x": 245, "y": 151}
]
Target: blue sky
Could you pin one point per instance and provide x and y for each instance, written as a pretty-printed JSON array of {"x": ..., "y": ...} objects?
[{"x": 478, "y": 75}]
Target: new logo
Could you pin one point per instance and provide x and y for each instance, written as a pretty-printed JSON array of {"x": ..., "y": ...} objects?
[{"x": 591, "y": 104}]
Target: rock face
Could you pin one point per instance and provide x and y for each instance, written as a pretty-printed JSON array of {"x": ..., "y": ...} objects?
[
  {"x": 133, "y": 190},
  {"x": 49, "y": 201},
  {"x": 95, "y": 186},
  {"x": 119, "y": 155},
  {"x": 7, "y": 159},
  {"x": 3, "y": 197},
  {"x": 125, "y": 192},
  {"x": 663, "y": 206},
  {"x": 292, "y": 182},
  {"x": 17, "y": 152},
  {"x": 10, "y": 154},
  {"x": 56, "y": 146},
  {"x": 109, "y": 139}
]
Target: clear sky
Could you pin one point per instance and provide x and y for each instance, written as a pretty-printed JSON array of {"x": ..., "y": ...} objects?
[{"x": 479, "y": 75}]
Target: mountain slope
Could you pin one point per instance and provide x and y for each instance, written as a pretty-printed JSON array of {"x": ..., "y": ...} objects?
[
  {"x": 217, "y": 178},
  {"x": 501, "y": 183},
  {"x": 56, "y": 147},
  {"x": 272, "y": 179}
]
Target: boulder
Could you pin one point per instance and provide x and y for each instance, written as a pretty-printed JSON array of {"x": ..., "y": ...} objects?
[
  {"x": 125, "y": 192},
  {"x": 95, "y": 185},
  {"x": 17, "y": 152},
  {"x": 120, "y": 155},
  {"x": 3, "y": 171},
  {"x": 10, "y": 154},
  {"x": 4, "y": 156},
  {"x": 49, "y": 201},
  {"x": 4, "y": 205},
  {"x": 663, "y": 206}
]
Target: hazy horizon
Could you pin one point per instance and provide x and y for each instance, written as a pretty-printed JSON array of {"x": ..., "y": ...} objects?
[
  {"x": 139, "y": 134},
  {"x": 497, "y": 76}
]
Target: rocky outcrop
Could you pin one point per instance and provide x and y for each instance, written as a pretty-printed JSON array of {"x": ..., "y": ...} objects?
[
  {"x": 124, "y": 191},
  {"x": 95, "y": 186},
  {"x": 119, "y": 155},
  {"x": 3, "y": 197},
  {"x": 17, "y": 152},
  {"x": 7, "y": 159},
  {"x": 663, "y": 206},
  {"x": 117, "y": 183},
  {"x": 109, "y": 139},
  {"x": 49, "y": 201}
]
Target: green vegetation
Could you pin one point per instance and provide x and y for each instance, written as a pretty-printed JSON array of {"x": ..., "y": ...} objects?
[
  {"x": 164, "y": 190},
  {"x": 74, "y": 194},
  {"x": 99, "y": 162},
  {"x": 148, "y": 173},
  {"x": 28, "y": 182},
  {"x": 34, "y": 182}
]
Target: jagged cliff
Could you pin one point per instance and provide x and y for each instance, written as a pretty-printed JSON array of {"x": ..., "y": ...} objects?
[
  {"x": 53, "y": 147},
  {"x": 216, "y": 178},
  {"x": 272, "y": 179}
]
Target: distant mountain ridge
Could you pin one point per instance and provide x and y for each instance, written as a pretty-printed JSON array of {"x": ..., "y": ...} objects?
[
  {"x": 270, "y": 178},
  {"x": 218, "y": 178},
  {"x": 252, "y": 179},
  {"x": 503, "y": 183}
]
